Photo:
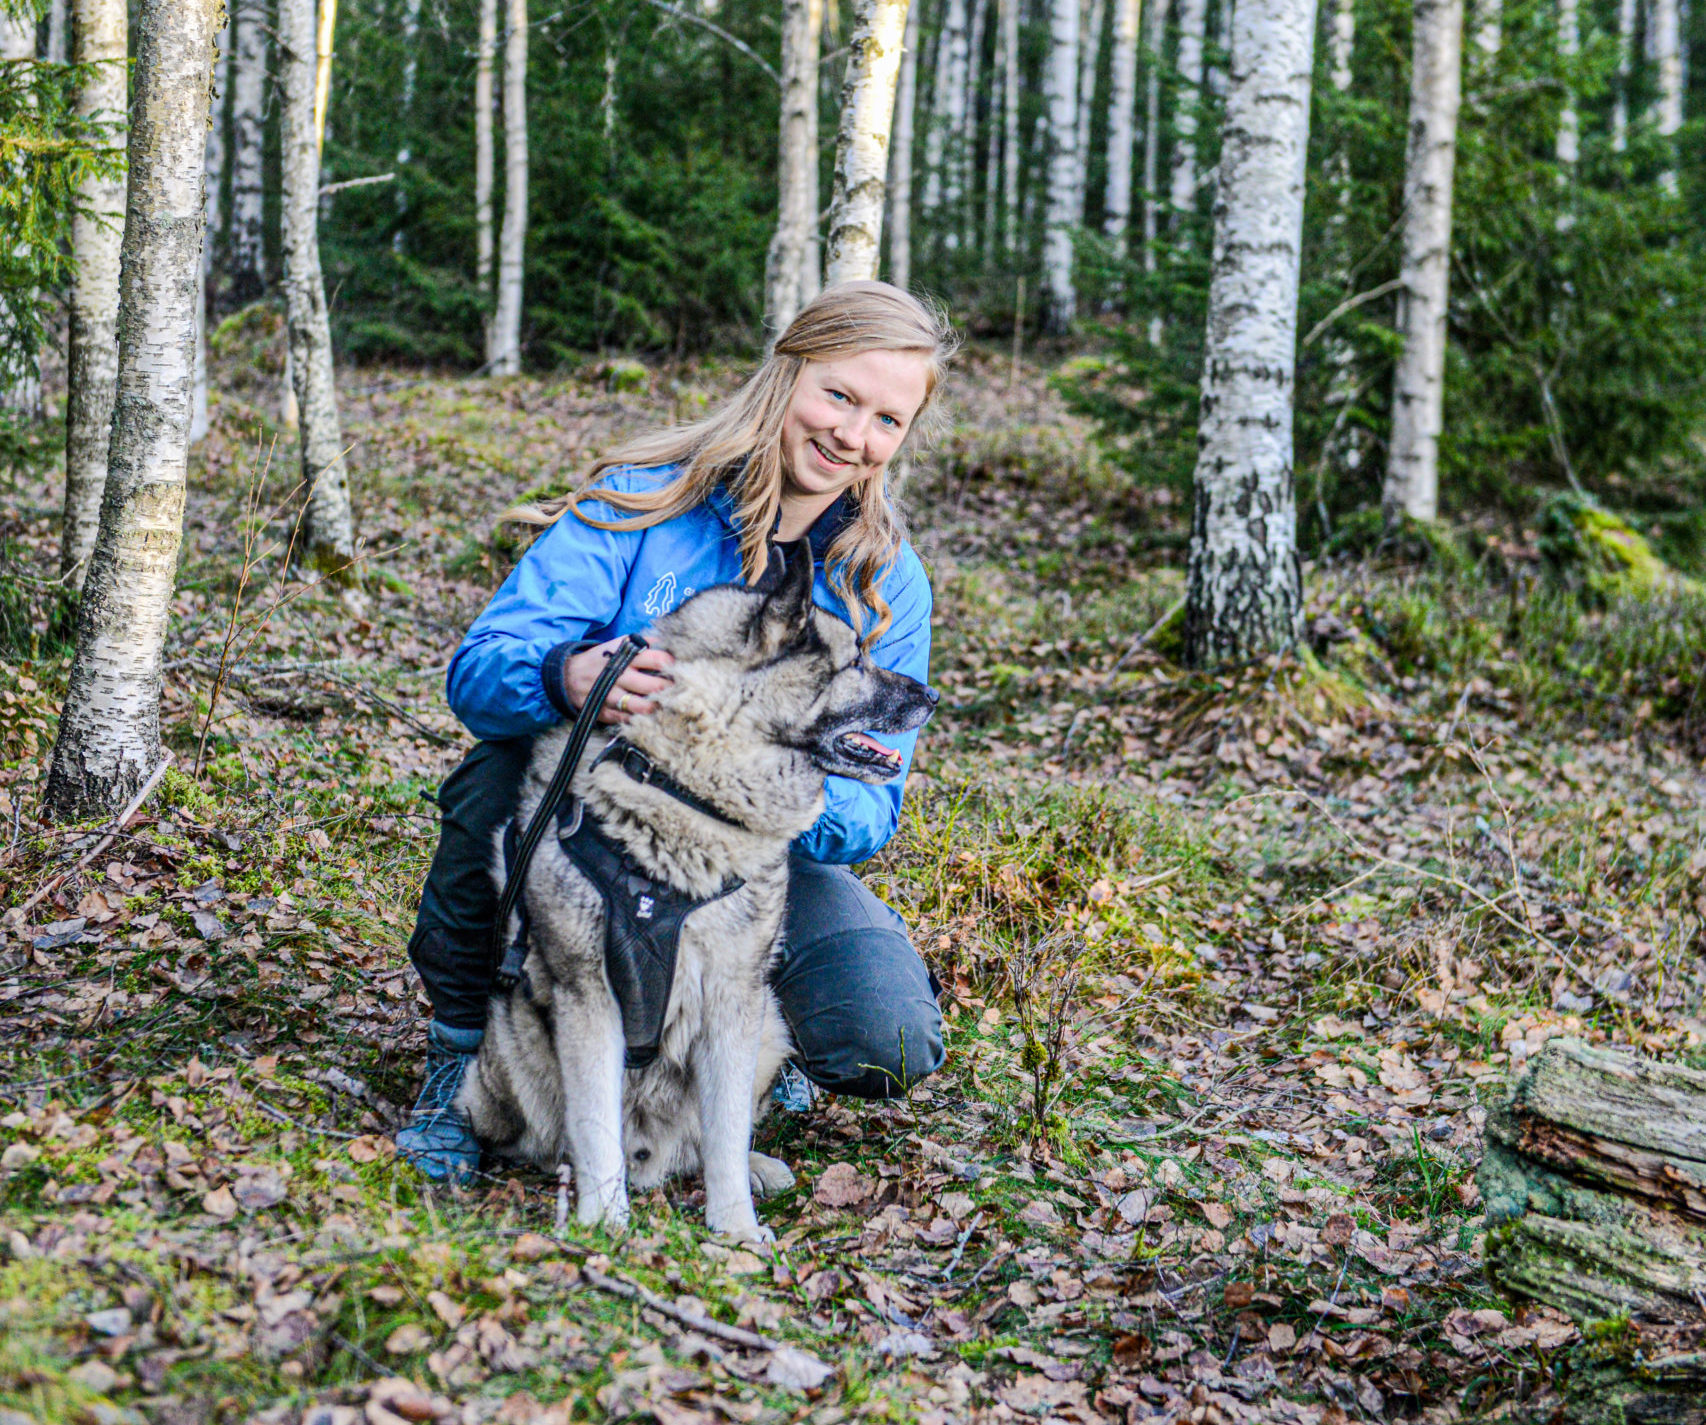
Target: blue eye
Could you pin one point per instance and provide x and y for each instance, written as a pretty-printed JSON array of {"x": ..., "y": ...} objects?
[
  {"x": 891, "y": 420},
  {"x": 839, "y": 395}
]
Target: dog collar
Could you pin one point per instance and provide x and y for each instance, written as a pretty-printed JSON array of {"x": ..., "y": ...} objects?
[{"x": 647, "y": 772}]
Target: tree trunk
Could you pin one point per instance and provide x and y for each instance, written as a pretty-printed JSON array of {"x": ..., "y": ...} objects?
[
  {"x": 900, "y": 155},
  {"x": 246, "y": 249},
  {"x": 18, "y": 43},
  {"x": 969, "y": 122},
  {"x": 109, "y": 729},
  {"x": 505, "y": 355},
  {"x": 946, "y": 112},
  {"x": 97, "y": 231},
  {"x": 1092, "y": 17},
  {"x": 215, "y": 168},
  {"x": 1060, "y": 297},
  {"x": 1010, "y": 151},
  {"x": 1594, "y": 1179},
  {"x": 1244, "y": 592},
  {"x": 1665, "y": 30},
  {"x": 1418, "y": 386},
  {"x": 1625, "y": 70},
  {"x": 796, "y": 167},
  {"x": 862, "y": 147},
  {"x": 1345, "y": 440},
  {"x": 1154, "y": 24},
  {"x": 1489, "y": 28},
  {"x": 1122, "y": 113},
  {"x": 1568, "y": 145},
  {"x": 484, "y": 54},
  {"x": 411, "y": 74},
  {"x": 328, "y": 532},
  {"x": 58, "y": 37},
  {"x": 811, "y": 254},
  {"x": 992, "y": 221},
  {"x": 1193, "y": 18}
]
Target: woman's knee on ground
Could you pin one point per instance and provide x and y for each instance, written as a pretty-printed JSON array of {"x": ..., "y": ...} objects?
[{"x": 882, "y": 1052}]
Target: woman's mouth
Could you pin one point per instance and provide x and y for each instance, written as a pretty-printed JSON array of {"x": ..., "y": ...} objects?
[{"x": 832, "y": 461}]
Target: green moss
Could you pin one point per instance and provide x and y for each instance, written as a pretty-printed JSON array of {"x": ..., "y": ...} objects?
[{"x": 1600, "y": 556}]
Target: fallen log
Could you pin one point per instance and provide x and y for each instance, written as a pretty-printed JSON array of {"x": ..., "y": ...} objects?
[{"x": 1594, "y": 1179}]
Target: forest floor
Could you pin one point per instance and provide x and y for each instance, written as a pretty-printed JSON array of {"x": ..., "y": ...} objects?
[{"x": 1234, "y": 966}]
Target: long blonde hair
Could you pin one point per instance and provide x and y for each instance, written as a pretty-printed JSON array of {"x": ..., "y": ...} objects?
[{"x": 740, "y": 444}]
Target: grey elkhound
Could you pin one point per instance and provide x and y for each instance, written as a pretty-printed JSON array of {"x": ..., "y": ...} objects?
[{"x": 770, "y": 695}]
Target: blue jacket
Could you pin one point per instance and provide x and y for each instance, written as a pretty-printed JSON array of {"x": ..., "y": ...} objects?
[{"x": 578, "y": 582}]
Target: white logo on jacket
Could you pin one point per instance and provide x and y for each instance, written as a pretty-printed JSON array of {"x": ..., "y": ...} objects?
[{"x": 662, "y": 597}]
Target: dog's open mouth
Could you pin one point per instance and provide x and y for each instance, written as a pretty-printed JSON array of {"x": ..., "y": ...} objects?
[{"x": 867, "y": 751}]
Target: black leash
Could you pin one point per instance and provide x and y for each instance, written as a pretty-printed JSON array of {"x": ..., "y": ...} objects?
[{"x": 511, "y": 957}]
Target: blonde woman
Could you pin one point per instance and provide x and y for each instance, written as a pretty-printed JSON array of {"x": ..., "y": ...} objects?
[{"x": 801, "y": 451}]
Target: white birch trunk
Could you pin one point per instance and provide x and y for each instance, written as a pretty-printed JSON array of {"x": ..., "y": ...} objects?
[
  {"x": 796, "y": 166},
  {"x": 811, "y": 255},
  {"x": 215, "y": 169},
  {"x": 1568, "y": 145},
  {"x": 1182, "y": 194},
  {"x": 109, "y": 729},
  {"x": 1122, "y": 114},
  {"x": 1092, "y": 17},
  {"x": 411, "y": 73},
  {"x": 979, "y": 11},
  {"x": 485, "y": 51},
  {"x": 1060, "y": 297},
  {"x": 58, "y": 31},
  {"x": 957, "y": 65},
  {"x": 505, "y": 356},
  {"x": 328, "y": 529},
  {"x": 18, "y": 42},
  {"x": 900, "y": 155},
  {"x": 1341, "y": 41},
  {"x": 246, "y": 261},
  {"x": 862, "y": 147},
  {"x": 992, "y": 151},
  {"x": 1625, "y": 70},
  {"x": 1418, "y": 386},
  {"x": 1664, "y": 22},
  {"x": 1154, "y": 24},
  {"x": 1010, "y": 151},
  {"x": 1489, "y": 28},
  {"x": 1244, "y": 592},
  {"x": 946, "y": 112},
  {"x": 97, "y": 233}
]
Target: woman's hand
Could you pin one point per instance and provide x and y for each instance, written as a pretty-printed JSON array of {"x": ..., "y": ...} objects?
[{"x": 632, "y": 693}]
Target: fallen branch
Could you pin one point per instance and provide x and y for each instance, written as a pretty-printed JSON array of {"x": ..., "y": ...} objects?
[{"x": 633, "y": 1291}]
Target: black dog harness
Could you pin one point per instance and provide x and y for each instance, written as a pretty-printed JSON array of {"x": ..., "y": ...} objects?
[{"x": 643, "y": 916}]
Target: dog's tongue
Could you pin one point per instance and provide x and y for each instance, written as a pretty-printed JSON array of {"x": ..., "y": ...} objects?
[{"x": 871, "y": 744}]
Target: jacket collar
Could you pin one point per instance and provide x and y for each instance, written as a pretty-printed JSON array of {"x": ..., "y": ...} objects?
[{"x": 822, "y": 534}]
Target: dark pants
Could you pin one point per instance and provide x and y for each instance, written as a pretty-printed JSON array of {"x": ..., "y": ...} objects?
[{"x": 858, "y": 1000}]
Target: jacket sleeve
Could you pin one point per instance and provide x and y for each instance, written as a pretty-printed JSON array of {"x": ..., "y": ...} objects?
[
  {"x": 858, "y": 818},
  {"x": 506, "y": 679}
]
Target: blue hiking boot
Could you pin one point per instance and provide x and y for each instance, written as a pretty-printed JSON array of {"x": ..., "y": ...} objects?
[
  {"x": 794, "y": 1092},
  {"x": 438, "y": 1139}
]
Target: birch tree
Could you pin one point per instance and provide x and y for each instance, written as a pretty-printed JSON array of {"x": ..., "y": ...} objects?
[
  {"x": 796, "y": 167},
  {"x": 862, "y": 146},
  {"x": 1418, "y": 386},
  {"x": 246, "y": 261},
  {"x": 1489, "y": 29},
  {"x": 411, "y": 74},
  {"x": 1193, "y": 19},
  {"x": 58, "y": 25},
  {"x": 214, "y": 166},
  {"x": 18, "y": 44},
  {"x": 992, "y": 150},
  {"x": 1091, "y": 18},
  {"x": 328, "y": 527},
  {"x": 947, "y": 116},
  {"x": 484, "y": 54},
  {"x": 1665, "y": 31},
  {"x": 504, "y": 358},
  {"x": 966, "y": 153},
  {"x": 1625, "y": 71},
  {"x": 100, "y": 40},
  {"x": 900, "y": 155},
  {"x": 1153, "y": 25},
  {"x": 1059, "y": 95},
  {"x": 1244, "y": 592},
  {"x": 1568, "y": 142},
  {"x": 1010, "y": 152},
  {"x": 109, "y": 730},
  {"x": 1122, "y": 112}
]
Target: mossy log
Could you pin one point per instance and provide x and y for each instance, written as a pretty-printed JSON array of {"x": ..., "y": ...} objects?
[{"x": 1594, "y": 1177}]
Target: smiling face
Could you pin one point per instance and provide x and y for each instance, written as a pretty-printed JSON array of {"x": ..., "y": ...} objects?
[{"x": 847, "y": 418}]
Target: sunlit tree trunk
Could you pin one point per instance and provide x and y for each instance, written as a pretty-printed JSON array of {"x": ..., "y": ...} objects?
[
  {"x": 1489, "y": 28},
  {"x": 1665, "y": 29},
  {"x": 505, "y": 355},
  {"x": 1010, "y": 152},
  {"x": 1568, "y": 143},
  {"x": 97, "y": 232},
  {"x": 109, "y": 730},
  {"x": 1091, "y": 16},
  {"x": 1193, "y": 17},
  {"x": 1060, "y": 297},
  {"x": 862, "y": 146},
  {"x": 328, "y": 527},
  {"x": 1625, "y": 70},
  {"x": 1418, "y": 387},
  {"x": 796, "y": 166},
  {"x": 246, "y": 262},
  {"x": 1341, "y": 41},
  {"x": 811, "y": 253},
  {"x": 1122, "y": 114},
  {"x": 900, "y": 155},
  {"x": 1244, "y": 592},
  {"x": 486, "y": 49},
  {"x": 947, "y": 113},
  {"x": 215, "y": 167}
]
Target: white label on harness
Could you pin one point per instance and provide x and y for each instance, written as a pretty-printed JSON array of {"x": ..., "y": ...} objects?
[{"x": 645, "y": 910}]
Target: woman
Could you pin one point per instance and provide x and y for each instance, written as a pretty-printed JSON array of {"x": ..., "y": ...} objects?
[{"x": 802, "y": 451}]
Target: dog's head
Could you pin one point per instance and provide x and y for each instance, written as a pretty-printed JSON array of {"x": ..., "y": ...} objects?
[{"x": 780, "y": 672}]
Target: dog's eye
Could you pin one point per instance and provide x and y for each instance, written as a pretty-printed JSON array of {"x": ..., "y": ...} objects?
[{"x": 642, "y": 1155}]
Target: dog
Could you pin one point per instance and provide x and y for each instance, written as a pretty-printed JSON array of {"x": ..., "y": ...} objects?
[{"x": 770, "y": 696}]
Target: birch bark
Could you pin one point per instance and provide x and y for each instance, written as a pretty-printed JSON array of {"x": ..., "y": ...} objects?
[
  {"x": 1122, "y": 112},
  {"x": 1010, "y": 152},
  {"x": 979, "y": 13},
  {"x": 1091, "y": 19},
  {"x": 1568, "y": 145},
  {"x": 947, "y": 112},
  {"x": 214, "y": 166},
  {"x": 485, "y": 50},
  {"x": 1244, "y": 592},
  {"x": 328, "y": 530},
  {"x": 1665, "y": 27},
  {"x": 862, "y": 147},
  {"x": 247, "y": 259},
  {"x": 796, "y": 167},
  {"x": 109, "y": 729},
  {"x": 1489, "y": 28},
  {"x": 811, "y": 254},
  {"x": 505, "y": 356},
  {"x": 1154, "y": 22},
  {"x": 1418, "y": 387},
  {"x": 1193, "y": 19},
  {"x": 1625, "y": 70},
  {"x": 992, "y": 150},
  {"x": 100, "y": 36},
  {"x": 411, "y": 73},
  {"x": 58, "y": 38},
  {"x": 1060, "y": 297},
  {"x": 900, "y": 155}
]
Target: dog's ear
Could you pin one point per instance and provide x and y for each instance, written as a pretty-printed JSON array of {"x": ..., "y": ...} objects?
[{"x": 785, "y": 615}]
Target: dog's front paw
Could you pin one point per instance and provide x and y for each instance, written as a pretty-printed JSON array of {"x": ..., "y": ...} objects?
[
  {"x": 739, "y": 1225},
  {"x": 769, "y": 1175}
]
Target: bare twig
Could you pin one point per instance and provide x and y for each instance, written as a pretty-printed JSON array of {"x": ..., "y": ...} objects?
[
  {"x": 721, "y": 34},
  {"x": 118, "y": 825},
  {"x": 633, "y": 1291},
  {"x": 1350, "y": 304},
  {"x": 330, "y": 188}
]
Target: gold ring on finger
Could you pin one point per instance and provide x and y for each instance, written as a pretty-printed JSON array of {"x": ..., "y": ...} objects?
[{"x": 622, "y": 703}]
